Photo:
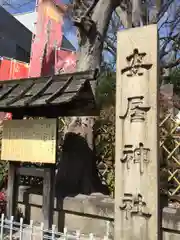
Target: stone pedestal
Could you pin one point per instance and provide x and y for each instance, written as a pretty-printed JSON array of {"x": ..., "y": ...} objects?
[{"x": 137, "y": 141}]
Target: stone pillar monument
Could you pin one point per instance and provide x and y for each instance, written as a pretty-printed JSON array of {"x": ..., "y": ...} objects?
[{"x": 137, "y": 142}]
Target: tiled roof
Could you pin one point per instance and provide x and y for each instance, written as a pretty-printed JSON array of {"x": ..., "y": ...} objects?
[{"x": 53, "y": 96}]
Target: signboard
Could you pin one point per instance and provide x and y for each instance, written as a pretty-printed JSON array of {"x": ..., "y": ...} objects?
[
  {"x": 13, "y": 69},
  {"x": 20, "y": 70},
  {"x": 29, "y": 141},
  {"x": 5, "y": 69}
]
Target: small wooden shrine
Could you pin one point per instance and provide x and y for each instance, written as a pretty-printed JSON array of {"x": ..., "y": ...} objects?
[{"x": 35, "y": 141}]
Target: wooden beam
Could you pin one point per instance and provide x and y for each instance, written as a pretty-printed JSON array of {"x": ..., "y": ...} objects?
[{"x": 30, "y": 171}]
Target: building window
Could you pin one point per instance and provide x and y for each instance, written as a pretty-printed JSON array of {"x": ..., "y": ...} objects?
[{"x": 22, "y": 55}]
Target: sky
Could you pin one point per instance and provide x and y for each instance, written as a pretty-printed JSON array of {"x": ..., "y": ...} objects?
[{"x": 20, "y": 6}]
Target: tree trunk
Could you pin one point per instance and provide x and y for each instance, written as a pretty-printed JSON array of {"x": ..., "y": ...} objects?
[
  {"x": 77, "y": 171},
  {"x": 91, "y": 47}
]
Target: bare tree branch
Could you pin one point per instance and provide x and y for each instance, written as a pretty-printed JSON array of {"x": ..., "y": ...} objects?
[
  {"x": 172, "y": 64},
  {"x": 164, "y": 9}
]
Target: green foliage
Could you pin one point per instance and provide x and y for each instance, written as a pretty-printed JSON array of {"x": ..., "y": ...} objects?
[
  {"x": 3, "y": 172},
  {"x": 104, "y": 129},
  {"x": 111, "y": 180},
  {"x": 104, "y": 133},
  {"x": 3, "y": 165},
  {"x": 105, "y": 91},
  {"x": 174, "y": 78}
]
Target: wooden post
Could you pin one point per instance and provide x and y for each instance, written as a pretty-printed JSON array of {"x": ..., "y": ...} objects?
[
  {"x": 49, "y": 189},
  {"x": 12, "y": 190},
  {"x": 48, "y": 196}
]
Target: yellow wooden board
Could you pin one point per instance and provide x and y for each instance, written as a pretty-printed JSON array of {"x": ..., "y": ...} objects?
[{"x": 29, "y": 141}]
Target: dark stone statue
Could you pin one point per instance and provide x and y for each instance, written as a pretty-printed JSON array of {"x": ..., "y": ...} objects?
[{"x": 77, "y": 171}]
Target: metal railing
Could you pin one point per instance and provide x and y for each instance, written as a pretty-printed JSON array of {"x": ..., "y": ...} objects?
[{"x": 12, "y": 230}]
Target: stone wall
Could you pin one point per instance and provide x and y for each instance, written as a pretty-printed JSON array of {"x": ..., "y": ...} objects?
[
  {"x": 88, "y": 213},
  {"x": 171, "y": 223}
]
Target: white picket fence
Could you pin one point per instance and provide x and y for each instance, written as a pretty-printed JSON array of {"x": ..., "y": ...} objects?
[{"x": 12, "y": 230}]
